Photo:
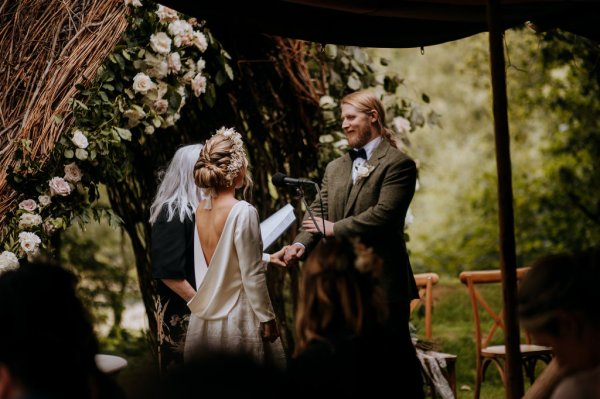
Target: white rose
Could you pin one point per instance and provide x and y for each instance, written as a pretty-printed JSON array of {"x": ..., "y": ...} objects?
[
  {"x": 174, "y": 62},
  {"x": 44, "y": 200},
  {"x": 142, "y": 83},
  {"x": 402, "y": 125},
  {"x": 29, "y": 242},
  {"x": 200, "y": 41},
  {"x": 72, "y": 173},
  {"x": 166, "y": 14},
  {"x": 159, "y": 70},
  {"x": 160, "y": 42},
  {"x": 58, "y": 186},
  {"x": 160, "y": 106},
  {"x": 29, "y": 220},
  {"x": 81, "y": 154},
  {"x": 28, "y": 205},
  {"x": 182, "y": 32},
  {"x": 200, "y": 65},
  {"x": 180, "y": 28},
  {"x": 199, "y": 85},
  {"x": 327, "y": 102},
  {"x": 79, "y": 139},
  {"x": 149, "y": 129},
  {"x": 157, "y": 65},
  {"x": 135, "y": 3},
  {"x": 8, "y": 260}
]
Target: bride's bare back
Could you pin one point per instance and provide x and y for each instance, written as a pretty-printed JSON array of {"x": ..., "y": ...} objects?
[{"x": 210, "y": 224}]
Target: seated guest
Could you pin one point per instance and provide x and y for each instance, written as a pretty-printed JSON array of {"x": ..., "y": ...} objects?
[
  {"x": 47, "y": 342},
  {"x": 343, "y": 347},
  {"x": 558, "y": 305}
]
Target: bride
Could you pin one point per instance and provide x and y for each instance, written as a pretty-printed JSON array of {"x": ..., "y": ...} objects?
[{"x": 231, "y": 310}]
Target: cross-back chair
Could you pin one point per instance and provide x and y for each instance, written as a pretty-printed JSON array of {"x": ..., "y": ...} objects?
[
  {"x": 486, "y": 351},
  {"x": 425, "y": 283}
]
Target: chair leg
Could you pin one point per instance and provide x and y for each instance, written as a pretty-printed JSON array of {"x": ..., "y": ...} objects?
[{"x": 478, "y": 378}]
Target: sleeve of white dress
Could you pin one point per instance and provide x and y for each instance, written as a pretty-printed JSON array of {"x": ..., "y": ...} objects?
[{"x": 249, "y": 249}]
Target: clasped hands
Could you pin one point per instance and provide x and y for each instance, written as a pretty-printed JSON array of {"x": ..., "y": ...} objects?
[{"x": 290, "y": 254}]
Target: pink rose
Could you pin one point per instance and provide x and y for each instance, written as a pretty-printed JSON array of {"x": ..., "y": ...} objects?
[
  {"x": 58, "y": 186},
  {"x": 28, "y": 205},
  {"x": 72, "y": 173}
]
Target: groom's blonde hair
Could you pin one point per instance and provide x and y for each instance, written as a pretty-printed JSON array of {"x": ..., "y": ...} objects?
[{"x": 366, "y": 102}]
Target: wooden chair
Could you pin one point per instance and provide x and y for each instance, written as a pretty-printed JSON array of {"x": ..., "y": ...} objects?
[
  {"x": 425, "y": 283},
  {"x": 483, "y": 313}
]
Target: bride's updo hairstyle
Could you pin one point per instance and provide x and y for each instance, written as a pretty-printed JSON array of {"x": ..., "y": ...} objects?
[{"x": 220, "y": 162}]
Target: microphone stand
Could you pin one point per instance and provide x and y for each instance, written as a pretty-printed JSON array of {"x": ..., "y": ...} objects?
[{"x": 300, "y": 194}]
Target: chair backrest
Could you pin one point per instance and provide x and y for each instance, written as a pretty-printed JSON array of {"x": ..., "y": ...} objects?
[
  {"x": 481, "y": 308},
  {"x": 425, "y": 283}
]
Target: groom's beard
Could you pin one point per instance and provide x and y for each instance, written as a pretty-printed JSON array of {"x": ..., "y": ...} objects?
[{"x": 363, "y": 136}]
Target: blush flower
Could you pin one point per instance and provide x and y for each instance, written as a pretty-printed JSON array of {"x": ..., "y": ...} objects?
[
  {"x": 58, "y": 186},
  {"x": 28, "y": 205},
  {"x": 72, "y": 173}
]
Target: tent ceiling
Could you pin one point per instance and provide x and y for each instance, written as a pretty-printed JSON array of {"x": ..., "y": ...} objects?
[{"x": 389, "y": 23}]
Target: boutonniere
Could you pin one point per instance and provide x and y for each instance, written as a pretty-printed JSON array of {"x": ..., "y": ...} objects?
[{"x": 363, "y": 171}]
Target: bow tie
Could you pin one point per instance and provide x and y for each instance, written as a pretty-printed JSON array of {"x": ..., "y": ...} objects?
[{"x": 361, "y": 153}]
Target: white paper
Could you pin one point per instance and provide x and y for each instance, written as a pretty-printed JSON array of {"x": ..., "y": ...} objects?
[{"x": 275, "y": 225}]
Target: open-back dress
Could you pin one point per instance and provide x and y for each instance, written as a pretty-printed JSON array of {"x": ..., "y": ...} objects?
[{"x": 232, "y": 298}]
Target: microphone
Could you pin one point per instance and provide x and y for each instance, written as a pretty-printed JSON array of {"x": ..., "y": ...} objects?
[{"x": 279, "y": 180}]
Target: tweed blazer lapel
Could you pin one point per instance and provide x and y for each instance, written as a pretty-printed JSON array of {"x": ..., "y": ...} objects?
[
  {"x": 341, "y": 185},
  {"x": 374, "y": 161}
]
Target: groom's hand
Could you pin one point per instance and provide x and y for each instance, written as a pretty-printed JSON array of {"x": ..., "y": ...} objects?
[
  {"x": 293, "y": 253},
  {"x": 311, "y": 227}
]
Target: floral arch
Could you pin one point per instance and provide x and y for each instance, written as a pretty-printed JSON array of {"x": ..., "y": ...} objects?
[{"x": 99, "y": 103}]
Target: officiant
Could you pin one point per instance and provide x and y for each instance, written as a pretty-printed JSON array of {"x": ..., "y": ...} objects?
[{"x": 366, "y": 193}]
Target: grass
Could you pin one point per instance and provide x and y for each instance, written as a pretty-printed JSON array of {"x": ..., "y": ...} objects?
[{"x": 453, "y": 332}]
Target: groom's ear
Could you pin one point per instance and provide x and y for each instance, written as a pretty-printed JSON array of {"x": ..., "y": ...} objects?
[{"x": 374, "y": 115}]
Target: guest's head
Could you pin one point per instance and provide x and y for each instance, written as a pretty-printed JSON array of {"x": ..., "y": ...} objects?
[
  {"x": 223, "y": 163},
  {"x": 558, "y": 305},
  {"x": 47, "y": 342},
  {"x": 178, "y": 190},
  {"x": 363, "y": 119},
  {"x": 338, "y": 293},
  {"x": 215, "y": 374}
]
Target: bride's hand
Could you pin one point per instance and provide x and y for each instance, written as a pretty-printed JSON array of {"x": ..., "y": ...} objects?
[
  {"x": 277, "y": 258},
  {"x": 268, "y": 331}
]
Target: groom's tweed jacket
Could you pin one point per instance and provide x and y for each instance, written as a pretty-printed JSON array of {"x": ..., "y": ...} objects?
[{"x": 374, "y": 209}]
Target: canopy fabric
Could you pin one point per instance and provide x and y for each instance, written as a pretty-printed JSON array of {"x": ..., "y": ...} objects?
[{"x": 390, "y": 23}]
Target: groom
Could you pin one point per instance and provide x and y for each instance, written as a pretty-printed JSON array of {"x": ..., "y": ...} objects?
[{"x": 366, "y": 194}]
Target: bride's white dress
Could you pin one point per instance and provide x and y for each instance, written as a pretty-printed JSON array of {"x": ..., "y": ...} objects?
[{"x": 232, "y": 297}]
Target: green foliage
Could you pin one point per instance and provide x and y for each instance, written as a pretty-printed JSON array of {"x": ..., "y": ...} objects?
[
  {"x": 101, "y": 257},
  {"x": 143, "y": 85},
  {"x": 552, "y": 87}
]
